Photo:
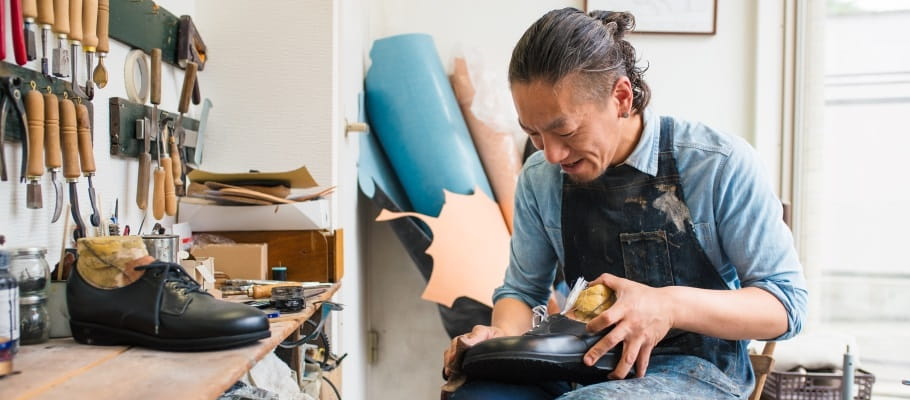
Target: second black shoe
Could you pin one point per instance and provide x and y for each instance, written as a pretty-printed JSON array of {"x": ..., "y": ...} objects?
[
  {"x": 163, "y": 309},
  {"x": 553, "y": 351}
]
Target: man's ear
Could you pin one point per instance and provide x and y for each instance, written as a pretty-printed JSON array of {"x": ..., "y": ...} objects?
[{"x": 622, "y": 95}]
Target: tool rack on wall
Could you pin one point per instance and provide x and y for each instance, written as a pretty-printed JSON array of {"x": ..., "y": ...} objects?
[
  {"x": 62, "y": 88},
  {"x": 144, "y": 25}
]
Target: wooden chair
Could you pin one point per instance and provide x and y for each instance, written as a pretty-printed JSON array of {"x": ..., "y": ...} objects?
[{"x": 762, "y": 365}]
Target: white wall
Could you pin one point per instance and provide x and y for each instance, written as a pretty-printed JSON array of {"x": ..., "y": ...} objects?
[
  {"x": 706, "y": 78},
  {"x": 285, "y": 87},
  {"x": 115, "y": 178}
]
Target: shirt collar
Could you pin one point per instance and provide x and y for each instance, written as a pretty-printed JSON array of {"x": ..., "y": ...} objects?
[{"x": 644, "y": 157}]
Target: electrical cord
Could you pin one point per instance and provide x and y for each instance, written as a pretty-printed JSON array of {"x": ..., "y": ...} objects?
[
  {"x": 334, "y": 389},
  {"x": 327, "y": 307}
]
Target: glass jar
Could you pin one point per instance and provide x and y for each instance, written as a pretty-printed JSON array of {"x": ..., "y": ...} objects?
[
  {"x": 34, "y": 321},
  {"x": 30, "y": 269},
  {"x": 9, "y": 316}
]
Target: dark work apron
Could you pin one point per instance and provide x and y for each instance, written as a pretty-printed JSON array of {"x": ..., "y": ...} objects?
[{"x": 636, "y": 226}]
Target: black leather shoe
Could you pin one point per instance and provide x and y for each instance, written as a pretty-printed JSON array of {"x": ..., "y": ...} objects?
[
  {"x": 164, "y": 309},
  {"x": 553, "y": 351}
]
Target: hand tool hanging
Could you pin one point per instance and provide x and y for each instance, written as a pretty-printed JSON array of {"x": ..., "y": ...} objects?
[
  {"x": 170, "y": 197},
  {"x": 70, "y": 142},
  {"x": 61, "y": 54},
  {"x": 189, "y": 79},
  {"x": 87, "y": 157},
  {"x": 100, "y": 74},
  {"x": 75, "y": 36},
  {"x": 34, "y": 109},
  {"x": 29, "y": 13},
  {"x": 53, "y": 160},
  {"x": 89, "y": 42},
  {"x": 17, "y": 28},
  {"x": 155, "y": 95},
  {"x": 12, "y": 98},
  {"x": 46, "y": 20}
]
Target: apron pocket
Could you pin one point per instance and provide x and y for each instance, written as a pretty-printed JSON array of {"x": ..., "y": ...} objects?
[{"x": 646, "y": 258}]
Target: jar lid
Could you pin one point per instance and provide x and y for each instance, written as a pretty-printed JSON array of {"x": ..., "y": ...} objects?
[
  {"x": 21, "y": 251},
  {"x": 32, "y": 300}
]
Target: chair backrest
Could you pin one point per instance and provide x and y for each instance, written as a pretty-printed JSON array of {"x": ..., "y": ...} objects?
[{"x": 762, "y": 364}]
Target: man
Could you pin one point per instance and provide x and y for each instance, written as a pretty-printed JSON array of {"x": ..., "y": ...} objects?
[{"x": 678, "y": 219}]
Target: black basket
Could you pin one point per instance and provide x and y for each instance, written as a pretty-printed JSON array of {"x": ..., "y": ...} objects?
[{"x": 814, "y": 385}]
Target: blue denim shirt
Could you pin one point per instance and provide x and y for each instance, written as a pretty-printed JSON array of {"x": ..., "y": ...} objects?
[{"x": 738, "y": 219}]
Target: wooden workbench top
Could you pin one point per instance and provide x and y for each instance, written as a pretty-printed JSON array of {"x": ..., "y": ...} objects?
[{"x": 64, "y": 369}]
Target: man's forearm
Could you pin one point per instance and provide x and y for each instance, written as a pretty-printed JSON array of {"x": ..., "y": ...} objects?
[
  {"x": 512, "y": 316},
  {"x": 748, "y": 313}
]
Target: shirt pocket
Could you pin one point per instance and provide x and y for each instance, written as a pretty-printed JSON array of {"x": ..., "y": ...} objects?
[{"x": 646, "y": 258}]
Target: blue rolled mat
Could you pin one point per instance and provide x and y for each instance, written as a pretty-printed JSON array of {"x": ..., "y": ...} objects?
[{"x": 413, "y": 112}]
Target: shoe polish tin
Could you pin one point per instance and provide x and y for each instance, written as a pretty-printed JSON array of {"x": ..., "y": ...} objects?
[{"x": 162, "y": 247}]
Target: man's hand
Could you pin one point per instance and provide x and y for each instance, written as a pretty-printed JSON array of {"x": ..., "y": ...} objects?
[
  {"x": 453, "y": 355},
  {"x": 641, "y": 317}
]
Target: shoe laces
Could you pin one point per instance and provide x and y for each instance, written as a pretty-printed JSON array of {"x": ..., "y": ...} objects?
[{"x": 171, "y": 273}]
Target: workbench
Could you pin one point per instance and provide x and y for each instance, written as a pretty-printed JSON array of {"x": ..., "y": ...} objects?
[{"x": 64, "y": 369}]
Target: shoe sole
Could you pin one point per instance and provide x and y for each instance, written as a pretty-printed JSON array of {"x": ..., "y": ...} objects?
[
  {"x": 527, "y": 367},
  {"x": 93, "y": 334}
]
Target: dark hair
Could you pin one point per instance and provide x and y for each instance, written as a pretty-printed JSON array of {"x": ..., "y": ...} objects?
[{"x": 569, "y": 42}]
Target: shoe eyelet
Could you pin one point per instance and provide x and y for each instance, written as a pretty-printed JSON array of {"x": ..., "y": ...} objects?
[{"x": 157, "y": 274}]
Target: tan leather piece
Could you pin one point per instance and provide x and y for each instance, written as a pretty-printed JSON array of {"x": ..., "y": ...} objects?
[{"x": 109, "y": 262}]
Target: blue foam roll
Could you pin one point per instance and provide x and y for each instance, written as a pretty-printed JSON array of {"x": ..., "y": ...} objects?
[{"x": 414, "y": 114}]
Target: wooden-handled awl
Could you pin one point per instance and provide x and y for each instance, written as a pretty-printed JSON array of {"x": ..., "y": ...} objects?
[
  {"x": 177, "y": 142},
  {"x": 155, "y": 95},
  {"x": 29, "y": 14},
  {"x": 53, "y": 159},
  {"x": 87, "y": 158},
  {"x": 70, "y": 144},
  {"x": 170, "y": 197},
  {"x": 100, "y": 74},
  {"x": 34, "y": 110},
  {"x": 89, "y": 41},
  {"x": 46, "y": 20},
  {"x": 61, "y": 26}
]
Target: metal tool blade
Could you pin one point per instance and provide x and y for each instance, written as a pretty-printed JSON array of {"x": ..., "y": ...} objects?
[
  {"x": 95, "y": 218},
  {"x": 30, "y": 47},
  {"x": 33, "y": 198},
  {"x": 61, "y": 59},
  {"x": 200, "y": 138},
  {"x": 58, "y": 191},
  {"x": 77, "y": 217}
]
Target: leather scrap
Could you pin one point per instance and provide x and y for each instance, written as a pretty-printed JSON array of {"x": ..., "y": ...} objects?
[{"x": 108, "y": 262}]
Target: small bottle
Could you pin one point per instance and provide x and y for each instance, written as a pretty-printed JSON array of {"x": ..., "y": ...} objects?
[
  {"x": 847, "y": 385},
  {"x": 9, "y": 316}
]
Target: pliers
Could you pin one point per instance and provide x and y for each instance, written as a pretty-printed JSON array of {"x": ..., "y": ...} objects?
[{"x": 12, "y": 98}]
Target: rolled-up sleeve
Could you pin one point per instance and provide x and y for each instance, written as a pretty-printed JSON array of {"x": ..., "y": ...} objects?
[
  {"x": 532, "y": 259},
  {"x": 754, "y": 237}
]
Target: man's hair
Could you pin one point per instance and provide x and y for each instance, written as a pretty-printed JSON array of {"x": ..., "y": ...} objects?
[{"x": 589, "y": 46}]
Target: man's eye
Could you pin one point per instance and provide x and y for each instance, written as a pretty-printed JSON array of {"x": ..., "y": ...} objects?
[{"x": 566, "y": 134}]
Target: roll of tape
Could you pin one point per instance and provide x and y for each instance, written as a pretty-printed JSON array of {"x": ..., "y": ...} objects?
[{"x": 136, "y": 62}]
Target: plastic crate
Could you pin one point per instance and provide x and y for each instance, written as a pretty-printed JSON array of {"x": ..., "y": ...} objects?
[{"x": 815, "y": 385}]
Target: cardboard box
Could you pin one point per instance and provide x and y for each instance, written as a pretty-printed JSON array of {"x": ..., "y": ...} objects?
[
  {"x": 310, "y": 256},
  {"x": 305, "y": 215},
  {"x": 203, "y": 271},
  {"x": 239, "y": 260}
]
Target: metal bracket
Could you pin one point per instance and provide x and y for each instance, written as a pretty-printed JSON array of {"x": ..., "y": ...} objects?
[
  {"x": 58, "y": 87},
  {"x": 124, "y": 140}
]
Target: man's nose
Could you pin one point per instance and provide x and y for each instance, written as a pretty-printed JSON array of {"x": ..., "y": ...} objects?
[{"x": 554, "y": 150}]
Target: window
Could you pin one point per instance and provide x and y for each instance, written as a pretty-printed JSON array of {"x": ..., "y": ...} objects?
[{"x": 852, "y": 183}]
